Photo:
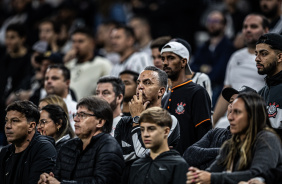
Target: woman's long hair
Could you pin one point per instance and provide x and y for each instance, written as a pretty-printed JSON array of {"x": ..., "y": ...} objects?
[
  {"x": 258, "y": 121},
  {"x": 54, "y": 99},
  {"x": 59, "y": 117}
]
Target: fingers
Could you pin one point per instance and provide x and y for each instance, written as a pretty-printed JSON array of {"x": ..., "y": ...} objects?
[
  {"x": 43, "y": 178},
  {"x": 146, "y": 104}
]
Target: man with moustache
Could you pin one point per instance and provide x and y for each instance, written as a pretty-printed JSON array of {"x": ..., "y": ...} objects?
[
  {"x": 187, "y": 101},
  {"x": 151, "y": 85},
  {"x": 29, "y": 153},
  {"x": 241, "y": 69},
  {"x": 269, "y": 61},
  {"x": 112, "y": 90}
]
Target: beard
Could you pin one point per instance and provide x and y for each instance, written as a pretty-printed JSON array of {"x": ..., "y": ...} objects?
[
  {"x": 269, "y": 70},
  {"x": 271, "y": 12},
  {"x": 215, "y": 33},
  {"x": 113, "y": 104}
]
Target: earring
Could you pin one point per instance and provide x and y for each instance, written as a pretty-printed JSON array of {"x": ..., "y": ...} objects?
[{"x": 58, "y": 129}]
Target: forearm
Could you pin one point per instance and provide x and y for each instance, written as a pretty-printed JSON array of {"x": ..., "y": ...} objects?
[{"x": 220, "y": 109}]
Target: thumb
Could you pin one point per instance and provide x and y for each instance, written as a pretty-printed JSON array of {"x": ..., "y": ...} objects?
[{"x": 146, "y": 104}]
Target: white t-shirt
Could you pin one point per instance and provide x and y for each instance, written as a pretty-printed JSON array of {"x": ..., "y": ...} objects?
[
  {"x": 84, "y": 76},
  {"x": 241, "y": 70},
  {"x": 71, "y": 105},
  {"x": 136, "y": 62}
]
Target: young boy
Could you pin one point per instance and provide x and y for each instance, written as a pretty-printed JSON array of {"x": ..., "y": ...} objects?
[{"x": 162, "y": 165}]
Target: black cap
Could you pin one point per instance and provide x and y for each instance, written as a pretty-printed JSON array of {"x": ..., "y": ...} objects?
[
  {"x": 55, "y": 58},
  {"x": 227, "y": 93},
  {"x": 272, "y": 39}
]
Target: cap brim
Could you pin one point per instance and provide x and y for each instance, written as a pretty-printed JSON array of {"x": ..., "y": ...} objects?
[{"x": 227, "y": 93}]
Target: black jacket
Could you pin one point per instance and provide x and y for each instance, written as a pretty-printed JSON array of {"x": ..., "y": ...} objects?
[
  {"x": 271, "y": 93},
  {"x": 100, "y": 162},
  {"x": 167, "y": 168},
  {"x": 38, "y": 157}
]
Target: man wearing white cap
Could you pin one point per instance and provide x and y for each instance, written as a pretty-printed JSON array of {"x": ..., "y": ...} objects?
[{"x": 187, "y": 101}]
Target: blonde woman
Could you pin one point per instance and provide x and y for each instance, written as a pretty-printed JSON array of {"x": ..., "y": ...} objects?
[{"x": 252, "y": 149}]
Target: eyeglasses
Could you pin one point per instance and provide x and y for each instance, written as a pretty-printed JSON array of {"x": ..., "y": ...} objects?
[
  {"x": 43, "y": 122},
  {"x": 82, "y": 115}
]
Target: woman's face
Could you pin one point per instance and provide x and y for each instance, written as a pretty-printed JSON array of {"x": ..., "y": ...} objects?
[
  {"x": 47, "y": 125},
  {"x": 238, "y": 118}
]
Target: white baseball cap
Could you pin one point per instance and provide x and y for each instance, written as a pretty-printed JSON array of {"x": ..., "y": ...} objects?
[{"x": 180, "y": 50}]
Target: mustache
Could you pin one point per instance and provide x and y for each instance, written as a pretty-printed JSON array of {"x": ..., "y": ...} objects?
[{"x": 166, "y": 68}]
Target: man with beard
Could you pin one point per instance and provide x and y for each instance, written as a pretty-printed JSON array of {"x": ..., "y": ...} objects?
[
  {"x": 212, "y": 57},
  {"x": 269, "y": 62},
  {"x": 112, "y": 90},
  {"x": 241, "y": 69},
  {"x": 151, "y": 85},
  {"x": 271, "y": 9},
  {"x": 86, "y": 68},
  {"x": 57, "y": 82},
  {"x": 129, "y": 78},
  {"x": 188, "y": 102}
]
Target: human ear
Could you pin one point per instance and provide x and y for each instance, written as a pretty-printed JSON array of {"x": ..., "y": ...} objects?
[{"x": 101, "y": 123}]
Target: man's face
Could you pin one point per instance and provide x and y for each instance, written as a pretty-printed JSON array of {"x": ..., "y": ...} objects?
[
  {"x": 267, "y": 59},
  {"x": 153, "y": 136},
  {"x": 156, "y": 55},
  {"x": 120, "y": 41},
  {"x": 106, "y": 91},
  {"x": 139, "y": 28},
  {"x": 148, "y": 83},
  {"x": 252, "y": 29},
  {"x": 46, "y": 32},
  {"x": 87, "y": 126},
  {"x": 83, "y": 44},
  {"x": 215, "y": 25},
  {"x": 172, "y": 65},
  {"x": 130, "y": 86},
  {"x": 13, "y": 41},
  {"x": 269, "y": 8},
  {"x": 55, "y": 82},
  {"x": 16, "y": 127}
]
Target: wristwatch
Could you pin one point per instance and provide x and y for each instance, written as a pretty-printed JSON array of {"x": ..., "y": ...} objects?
[{"x": 136, "y": 119}]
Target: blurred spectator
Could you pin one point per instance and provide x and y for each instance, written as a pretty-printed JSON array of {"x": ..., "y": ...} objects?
[
  {"x": 272, "y": 10},
  {"x": 123, "y": 40},
  {"x": 103, "y": 41},
  {"x": 142, "y": 32},
  {"x": 212, "y": 57},
  {"x": 86, "y": 68},
  {"x": 109, "y": 10},
  {"x": 16, "y": 70},
  {"x": 20, "y": 12}
]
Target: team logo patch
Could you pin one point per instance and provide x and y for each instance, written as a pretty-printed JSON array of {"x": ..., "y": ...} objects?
[
  {"x": 180, "y": 108},
  {"x": 272, "y": 110}
]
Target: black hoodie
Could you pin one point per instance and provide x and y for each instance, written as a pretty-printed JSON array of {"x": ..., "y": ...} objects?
[{"x": 167, "y": 168}]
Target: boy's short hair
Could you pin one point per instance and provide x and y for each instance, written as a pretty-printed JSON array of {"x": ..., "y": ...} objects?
[{"x": 156, "y": 115}]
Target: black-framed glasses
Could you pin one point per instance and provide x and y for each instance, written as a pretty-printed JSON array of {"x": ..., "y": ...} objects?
[
  {"x": 42, "y": 122},
  {"x": 82, "y": 115}
]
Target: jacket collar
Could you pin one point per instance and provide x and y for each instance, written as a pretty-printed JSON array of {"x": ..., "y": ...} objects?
[{"x": 274, "y": 80}]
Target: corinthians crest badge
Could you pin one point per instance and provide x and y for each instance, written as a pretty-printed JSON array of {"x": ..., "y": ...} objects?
[
  {"x": 180, "y": 108},
  {"x": 272, "y": 110}
]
